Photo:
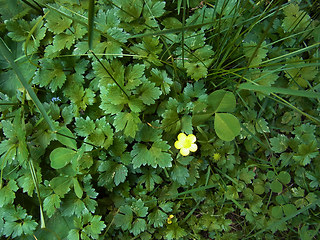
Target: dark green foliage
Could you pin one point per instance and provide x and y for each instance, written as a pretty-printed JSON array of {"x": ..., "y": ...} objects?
[{"x": 88, "y": 137}]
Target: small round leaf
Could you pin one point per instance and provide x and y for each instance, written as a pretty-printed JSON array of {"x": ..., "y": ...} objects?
[
  {"x": 284, "y": 177},
  {"x": 60, "y": 157},
  {"x": 276, "y": 186},
  {"x": 227, "y": 126}
]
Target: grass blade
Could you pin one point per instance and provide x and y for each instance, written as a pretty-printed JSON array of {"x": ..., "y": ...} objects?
[
  {"x": 35, "y": 182},
  {"x": 90, "y": 23},
  {"x": 8, "y": 56},
  {"x": 287, "y": 91}
]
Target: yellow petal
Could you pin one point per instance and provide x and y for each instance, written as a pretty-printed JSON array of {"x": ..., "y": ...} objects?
[
  {"x": 192, "y": 138},
  {"x": 184, "y": 151},
  {"x": 193, "y": 147},
  {"x": 182, "y": 137},
  {"x": 178, "y": 144}
]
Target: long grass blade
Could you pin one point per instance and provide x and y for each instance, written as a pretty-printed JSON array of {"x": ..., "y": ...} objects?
[
  {"x": 90, "y": 23},
  {"x": 8, "y": 56},
  {"x": 36, "y": 184},
  {"x": 286, "y": 91}
]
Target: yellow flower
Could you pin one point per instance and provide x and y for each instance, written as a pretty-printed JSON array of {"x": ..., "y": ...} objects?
[
  {"x": 169, "y": 221},
  {"x": 186, "y": 144}
]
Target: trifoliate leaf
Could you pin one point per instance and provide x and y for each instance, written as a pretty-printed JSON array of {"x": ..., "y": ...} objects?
[
  {"x": 7, "y": 193},
  {"x": 174, "y": 231},
  {"x": 148, "y": 92},
  {"x": 84, "y": 127},
  {"x": 138, "y": 226},
  {"x": 128, "y": 122},
  {"x": 51, "y": 73},
  {"x": 156, "y": 155},
  {"x": 133, "y": 75},
  {"x": 180, "y": 174},
  {"x": 196, "y": 70},
  {"x": 295, "y": 19},
  {"x": 94, "y": 227},
  {"x": 124, "y": 218},
  {"x": 157, "y": 218},
  {"x": 51, "y": 203},
  {"x": 149, "y": 178},
  {"x": 56, "y": 22},
  {"x": 160, "y": 78},
  {"x": 133, "y": 9},
  {"x": 63, "y": 40},
  {"x": 249, "y": 48},
  {"x": 18, "y": 223}
]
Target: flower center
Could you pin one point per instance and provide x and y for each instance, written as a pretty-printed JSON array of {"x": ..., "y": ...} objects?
[{"x": 187, "y": 143}]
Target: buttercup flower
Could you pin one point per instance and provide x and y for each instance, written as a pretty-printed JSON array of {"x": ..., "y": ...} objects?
[
  {"x": 186, "y": 144},
  {"x": 169, "y": 221}
]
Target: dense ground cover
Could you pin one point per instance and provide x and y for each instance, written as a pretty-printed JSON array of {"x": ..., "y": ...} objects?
[{"x": 150, "y": 119}]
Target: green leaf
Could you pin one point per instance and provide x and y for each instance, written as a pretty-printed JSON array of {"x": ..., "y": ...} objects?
[
  {"x": 295, "y": 19},
  {"x": 7, "y": 193},
  {"x": 66, "y": 138},
  {"x": 174, "y": 231},
  {"x": 222, "y": 101},
  {"x": 84, "y": 127},
  {"x": 60, "y": 157},
  {"x": 139, "y": 209},
  {"x": 156, "y": 155},
  {"x": 284, "y": 177},
  {"x": 120, "y": 175},
  {"x": 249, "y": 48},
  {"x": 128, "y": 122},
  {"x": 148, "y": 92},
  {"x": 57, "y": 23},
  {"x": 277, "y": 212},
  {"x": 186, "y": 124},
  {"x": 289, "y": 209},
  {"x": 95, "y": 227},
  {"x": 61, "y": 185},
  {"x": 73, "y": 234},
  {"x": 124, "y": 218},
  {"x": 77, "y": 188},
  {"x": 276, "y": 186},
  {"x": 50, "y": 74},
  {"x": 226, "y": 126},
  {"x": 180, "y": 174},
  {"x": 157, "y": 218},
  {"x": 149, "y": 178},
  {"x": 247, "y": 175},
  {"x": 139, "y": 225},
  {"x": 51, "y": 203}
]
